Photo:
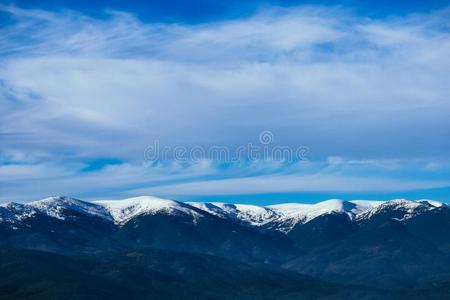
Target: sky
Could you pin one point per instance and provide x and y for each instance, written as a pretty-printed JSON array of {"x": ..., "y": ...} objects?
[{"x": 256, "y": 102}]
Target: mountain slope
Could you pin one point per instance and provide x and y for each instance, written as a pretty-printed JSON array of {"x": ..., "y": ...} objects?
[
  {"x": 152, "y": 274},
  {"x": 66, "y": 225},
  {"x": 389, "y": 246},
  {"x": 204, "y": 233},
  {"x": 158, "y": 274}
]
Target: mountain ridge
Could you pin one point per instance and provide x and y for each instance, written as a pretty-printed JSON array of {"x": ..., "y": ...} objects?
[{"x": 282, "y": 217}]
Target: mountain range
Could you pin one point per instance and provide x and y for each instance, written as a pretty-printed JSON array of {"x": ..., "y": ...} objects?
[{"x": 147, "y": 247}]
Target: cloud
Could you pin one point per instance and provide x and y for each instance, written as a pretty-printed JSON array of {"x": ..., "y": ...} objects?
[
  {"x": 75, "y": 88},
  {"x": 26, "y": 182},
  {"x": 31, "y": 181},
  {"x": 292, "y": 184}
]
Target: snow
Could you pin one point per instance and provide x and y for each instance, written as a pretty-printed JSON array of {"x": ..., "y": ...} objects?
[
  {"x": 295, "y": 213},
  {"x": 284, "y": 217},
  {"x": 57, "y": 206},
  {"x": 311, "y": 209},
  {"x": 365, "y": 205},
  {"x": 248, "y": 214},
  {"x": 281, "y": 217},
  {"x": 123, "y": 211},
  {"x": 15, "y": 212},
  {"x": 211, "y": 208},
  {"x": 255, "y": 215},
  {"x": 432, "y": 202},
  {"x": 409, "y": 207}
]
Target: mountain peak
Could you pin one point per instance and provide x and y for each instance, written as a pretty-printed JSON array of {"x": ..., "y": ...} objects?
[
  {"x": 407, "y": 208},
  {"x": 124, "y": 210},
  {"x": 57, "y": 206}
]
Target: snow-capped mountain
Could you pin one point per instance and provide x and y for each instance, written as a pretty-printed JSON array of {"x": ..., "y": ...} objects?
[
  {"x": 283, "y": 217},
  {"x": 291, "y": 214},
  {"x": 58, "y": 206},
  {"x": 406, "y": 208},
  {"x": 280, "y": 217},
  {"x": 356, "y": 241},
  {"x": 123, "y": 211}
]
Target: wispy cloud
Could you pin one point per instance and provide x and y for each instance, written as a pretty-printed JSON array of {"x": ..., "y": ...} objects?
[
  {"x": 24, "y": 182},
  {"x": 292, "y": 184}
]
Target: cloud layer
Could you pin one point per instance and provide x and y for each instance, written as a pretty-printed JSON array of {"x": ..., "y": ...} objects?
[{"x": 74, "y": 88}]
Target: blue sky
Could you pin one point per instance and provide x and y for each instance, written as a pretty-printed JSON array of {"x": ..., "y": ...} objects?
[
  {"x": 197, "y": 11},
  {"x": 86, "y": 87}
]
